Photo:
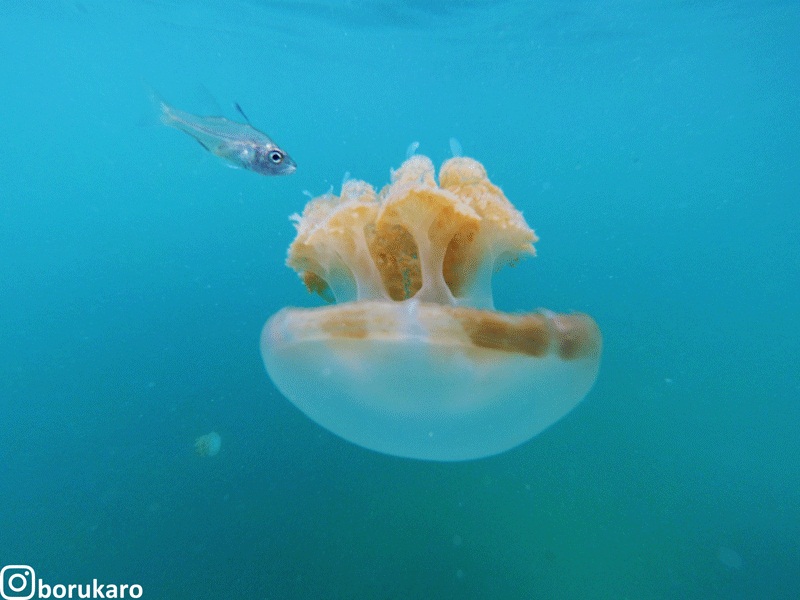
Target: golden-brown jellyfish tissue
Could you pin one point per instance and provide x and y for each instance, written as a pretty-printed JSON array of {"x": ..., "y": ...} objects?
[{"x": 412, "y": 359}]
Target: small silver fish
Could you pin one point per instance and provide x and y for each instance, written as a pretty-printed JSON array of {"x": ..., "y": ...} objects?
[{"x": 239, "y": 144}]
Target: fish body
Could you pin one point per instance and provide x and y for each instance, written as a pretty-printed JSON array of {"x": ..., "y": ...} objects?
[{"x": 239, "y": 144}]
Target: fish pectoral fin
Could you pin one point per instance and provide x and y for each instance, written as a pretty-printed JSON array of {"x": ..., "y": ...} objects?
[{"x": 203, "y": 145}]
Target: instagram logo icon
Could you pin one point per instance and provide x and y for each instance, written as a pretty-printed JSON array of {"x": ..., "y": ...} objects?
[{"x": 17, "y": 582}]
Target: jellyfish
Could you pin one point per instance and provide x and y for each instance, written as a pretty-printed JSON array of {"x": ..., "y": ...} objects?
[
  {"x": 208, "y": 444},
  {"x": 410, "y": 358}
]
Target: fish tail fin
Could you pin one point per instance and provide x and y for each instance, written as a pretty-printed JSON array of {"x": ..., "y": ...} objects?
[{"x": 166, "y": 113}]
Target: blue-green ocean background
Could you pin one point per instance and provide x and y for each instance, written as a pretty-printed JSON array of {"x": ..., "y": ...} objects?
[{"x": 655, "y": 148}]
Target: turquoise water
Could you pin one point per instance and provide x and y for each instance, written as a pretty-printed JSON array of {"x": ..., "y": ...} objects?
[{"x": 654, "y": 147}]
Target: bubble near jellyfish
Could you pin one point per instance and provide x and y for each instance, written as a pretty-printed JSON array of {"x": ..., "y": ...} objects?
[{"x": 412, "y": 359}]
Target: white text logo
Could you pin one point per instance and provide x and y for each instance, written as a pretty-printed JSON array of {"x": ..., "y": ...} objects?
[{"x": 19, "y": 582}]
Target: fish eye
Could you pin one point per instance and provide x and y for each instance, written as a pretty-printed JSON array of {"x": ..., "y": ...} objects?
[{"x": 276, "y": 157}]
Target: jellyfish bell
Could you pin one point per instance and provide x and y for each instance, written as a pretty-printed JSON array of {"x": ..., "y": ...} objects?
[
  {"x": 428, "y": 381},
  {"x": 208, "y": 444},
  {"x": 412, "y": 359}
]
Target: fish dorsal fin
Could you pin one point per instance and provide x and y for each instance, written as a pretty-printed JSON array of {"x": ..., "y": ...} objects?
[{"x": 241, "y": 112}]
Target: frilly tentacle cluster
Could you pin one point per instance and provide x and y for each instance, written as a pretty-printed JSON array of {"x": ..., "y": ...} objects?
[{"x": 416, "y": 239}]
